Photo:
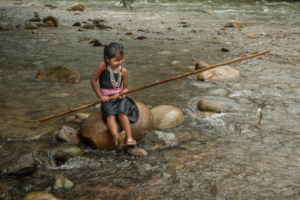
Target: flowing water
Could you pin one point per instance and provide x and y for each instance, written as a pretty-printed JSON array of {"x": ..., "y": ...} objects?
[{"x": 225, "y": 156}]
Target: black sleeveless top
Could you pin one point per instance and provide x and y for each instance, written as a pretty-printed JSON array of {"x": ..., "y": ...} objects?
[{"x": 104, "y": 79}]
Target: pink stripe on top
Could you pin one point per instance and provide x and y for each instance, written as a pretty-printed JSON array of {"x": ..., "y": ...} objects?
[{"x": 108, "y": 92}]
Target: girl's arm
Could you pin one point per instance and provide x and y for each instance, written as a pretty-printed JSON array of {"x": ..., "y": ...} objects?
[
  {"x": 125, "y": 83},
  {"x": 94, "y": 79}
]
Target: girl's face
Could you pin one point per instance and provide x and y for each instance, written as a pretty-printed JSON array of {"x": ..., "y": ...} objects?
[{"x": 116, "y": 61}]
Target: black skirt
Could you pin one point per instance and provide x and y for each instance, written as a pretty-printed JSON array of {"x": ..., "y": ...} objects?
[{"x": 126, "y": 106}]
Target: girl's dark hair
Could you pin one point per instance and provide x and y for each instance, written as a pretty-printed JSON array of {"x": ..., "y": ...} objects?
[{"x": 112, "y": 50}]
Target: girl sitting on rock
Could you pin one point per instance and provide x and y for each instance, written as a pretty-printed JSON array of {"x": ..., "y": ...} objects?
[{"x": 112, "y": 76}]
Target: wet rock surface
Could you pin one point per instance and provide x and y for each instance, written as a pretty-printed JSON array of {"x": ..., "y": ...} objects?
[
  {"x": 58, "y": 73},
  {"x": 166, "y": 116},
  {"x": 206, "y": 105},
  {"x": 136, "y": 151},
  {"x": 65, "y": 152},
  {"x": 95, "y": 133},
  {"x": 18, "y": 166}
]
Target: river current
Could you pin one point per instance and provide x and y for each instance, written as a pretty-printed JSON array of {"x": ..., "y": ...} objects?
[{"x": 225, "y": 156}]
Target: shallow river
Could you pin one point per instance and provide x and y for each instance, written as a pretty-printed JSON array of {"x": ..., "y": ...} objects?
[{"x": 226, "y": 156}]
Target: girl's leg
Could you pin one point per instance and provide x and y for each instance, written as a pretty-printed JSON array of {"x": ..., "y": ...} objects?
[
  {"x": 112, "y": 125},
  {"x": 125, "y": 123}
]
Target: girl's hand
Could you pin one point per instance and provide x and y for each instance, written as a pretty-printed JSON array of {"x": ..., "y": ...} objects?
[
  {"x": 115, "y": 96},
  {"x": 104, "y": 99},
  {"x": 120, "y": 97}
]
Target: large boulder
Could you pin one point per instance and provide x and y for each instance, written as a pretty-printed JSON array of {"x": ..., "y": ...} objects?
[
  {"x": 20, "y": 165},
  {"x": 218, "y": 73},
  {"x": 59, "y": 73},
  {"x": 206, "y": 105},
  {"x": 39, "y": 195},
  {"x": 65, "y": 152},
  {"x": 76, "y": 7},
  {"x": 95, "y": 132},
  {"x": 52, "y": 19},
  {"x": 166, "y": 116}
]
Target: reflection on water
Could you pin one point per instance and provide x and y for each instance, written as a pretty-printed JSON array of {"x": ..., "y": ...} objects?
[{"x": 226, "y": 156}]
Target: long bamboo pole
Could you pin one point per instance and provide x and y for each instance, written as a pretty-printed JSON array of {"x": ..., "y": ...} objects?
[{"x": 150, "y": 85}]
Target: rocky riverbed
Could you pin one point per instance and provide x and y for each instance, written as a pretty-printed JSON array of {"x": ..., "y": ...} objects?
[{"x": 217, "y": 155}]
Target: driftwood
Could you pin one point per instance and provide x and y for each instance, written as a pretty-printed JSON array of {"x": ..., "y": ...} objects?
[{"x": 150, "y": 85}]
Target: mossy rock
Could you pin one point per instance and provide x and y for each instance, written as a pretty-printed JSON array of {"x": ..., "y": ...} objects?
[{"x": 65, "y": 152}]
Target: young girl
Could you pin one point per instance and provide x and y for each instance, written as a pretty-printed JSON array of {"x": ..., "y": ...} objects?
[{"x": 111, "y": 77}]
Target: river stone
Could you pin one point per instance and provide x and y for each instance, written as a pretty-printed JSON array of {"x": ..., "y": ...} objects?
[
  {"x": 85, "y": 38},
  {"x": 81, "y": 117},
  {"x": 52, "y": 19},
  {"x": 202, "y": 115},
  {"x": 48, "y": 24},
  {"x": 234, "y": 24},
  {"x": 59, "y": 73},
  {"x": 206, "y": 105},
  {"x": 65, "y": 152},
  {"x": 88, "y": 26},
  {"x": 81, "y": 29},
  {"x": 101, "y": 24},
  {"x": 136, "y": 151},
  {"x": 61, "y": 182},
  {"x": 77, "y": 24},
  {"x": 220, "y": 92},
  {"x": 201, "y": 65},
  {"x": 95, "y": 133},
  {"x": 76, "y": 7},
  {"x": 32, "y": 26},
  {"x": 218, "y": 73},
  {"x": 69, "y": 134},
  {"x": 20, "y": 165},
  {"x": 166, "y": 116},
  {"x": 39, "y": 195},
  {"x": 159, "y": 140}
]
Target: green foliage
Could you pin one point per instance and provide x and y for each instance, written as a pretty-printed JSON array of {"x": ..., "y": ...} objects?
[{"x": 127, "y": 3}]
